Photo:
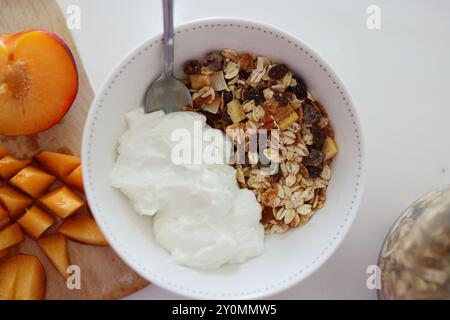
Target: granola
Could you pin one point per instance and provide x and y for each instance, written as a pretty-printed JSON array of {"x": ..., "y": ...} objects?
[{"x": 249, "y": 92}]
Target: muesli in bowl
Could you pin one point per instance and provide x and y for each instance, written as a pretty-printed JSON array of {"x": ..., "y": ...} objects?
[{"x": 243, "y": 94}]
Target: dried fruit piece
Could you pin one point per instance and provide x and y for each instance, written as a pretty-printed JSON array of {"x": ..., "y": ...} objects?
[
  {"x": 3, "y": 152},
  {"x": 314, "y": 172},
  {"x": 192, "y": 67},
  {"x": 4, "y": 218},
  {"x": 58, "y": 164},
  {"x": 9, "y": 166},
  {"x": 284, "y": 124},
  {"x": 299, "y": 89},
  {"x": 246, "y": 63},
  {"x": 55, "y": 248},
  {"x": 254, "y": 94},
  {"x": 83, "y": 228},
  {"x": 14, "y": 201},
  {"x": 281, "y": 99},
  {"x": 75, "y": 179},
  {"x": 36, "y": 221},
  {"x": 215, "y": 61},
  {"x": 279, "y": 71},
  {"x": 62, "y": 201},
  {"x": 314, "y": 159},
  {"x": 33, "y": 181},
  {"x": 22, "y": 277},
  {"x": 330, "y": 148},
  {"x": 234, "y": 109},
  {"x": 227, "y": 96},
  {"x": 310, "y": 114},
  {"x": 10, "y": 236},
  {"x": 318, "y": 137},
  {"x": 199, "y": 81}
]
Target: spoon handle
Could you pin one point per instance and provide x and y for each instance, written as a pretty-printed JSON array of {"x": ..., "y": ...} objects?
[{"x": 168, "y": 36}]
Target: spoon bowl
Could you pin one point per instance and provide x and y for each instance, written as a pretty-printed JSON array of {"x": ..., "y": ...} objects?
[{"x": 167, "y": 93}]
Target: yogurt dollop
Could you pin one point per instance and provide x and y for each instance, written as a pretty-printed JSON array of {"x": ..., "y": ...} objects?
[{"x": 200, "y": 215}]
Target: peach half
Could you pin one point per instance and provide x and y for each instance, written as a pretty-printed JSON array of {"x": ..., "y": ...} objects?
[{"x": 38, "y": 82}]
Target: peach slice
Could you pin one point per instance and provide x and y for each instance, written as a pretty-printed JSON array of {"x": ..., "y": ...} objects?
[
  {"x": 4, "y": 253},
  {"x": 22, "y": 277},
  {"x": 3, "y": 152},
  {"x": 9, "y": 166},
  {"x": 36, "y": 221},
  {"x": 14, "y": 201},
  {"x": 38, "y": 82},
  {"x": 4, "y": 218},
  {"x": 10, "y": 236},
  {"x": 33, "y": 181},
  {"x": 75, "y": 179},
  {"x": 62, "y": 201},
  {"x": 83, "y": 228},
  {"x": 55, "y": 248},
  {"x": 58, "y": 164}
]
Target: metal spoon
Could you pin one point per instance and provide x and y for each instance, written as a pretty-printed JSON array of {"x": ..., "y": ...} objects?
[{"x": 167, "y": 93}]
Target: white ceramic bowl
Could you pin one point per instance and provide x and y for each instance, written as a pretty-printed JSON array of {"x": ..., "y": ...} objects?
[{"x": 289, "y": 257}]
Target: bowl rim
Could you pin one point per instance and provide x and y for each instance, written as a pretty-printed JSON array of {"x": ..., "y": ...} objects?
[{"x": 278, "y": 32}]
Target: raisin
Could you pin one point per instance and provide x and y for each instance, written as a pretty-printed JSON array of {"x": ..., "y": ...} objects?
[
  {"x": 310, "y": 114},
  {"x": 314, "y": 172},
  {"x": 215, "y": 61},
  {"x": 267, "y": 214},
  {"x": 318, "y": 137},
  {"x": 314, "y": 159},
  {"x": 278, "y": 72},
  {"x": 192, "y": 67},
  {"x": 244, "y": 74},
  {"x": 299, "y": 91},
  {"x": 299, "y": 81},
  {"x": 211, "y": 119},
  {"x": 281, "y": 99},
  {"x": 261, "y": 85},
  {"x": 227, "y": 96},
  {"x": 253, "y": 94}
]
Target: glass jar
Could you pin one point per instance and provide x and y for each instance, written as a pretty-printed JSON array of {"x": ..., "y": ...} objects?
[{"x": 415, "y": 257}]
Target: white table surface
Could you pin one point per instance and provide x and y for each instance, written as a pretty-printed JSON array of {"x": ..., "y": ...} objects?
[{"x": 399, "y": 77}]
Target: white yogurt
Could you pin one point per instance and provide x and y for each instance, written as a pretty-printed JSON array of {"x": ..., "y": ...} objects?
[{"x": 200, "y": 215}]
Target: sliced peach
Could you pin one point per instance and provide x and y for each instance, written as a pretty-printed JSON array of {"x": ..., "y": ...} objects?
[
  {"x": 75, "y": 179},
  {"x": 83, "y": 228},
  {"x": 3, "y": 253},
  {"x": 36, "y": 221},
  {"x": 58, "y": 164},
  {"x": 9, "y": 166},
  {"x": 33, "y": 181},
  {"x": 4, "y": 218},
  {"x": 55, "y": 248},
  {"x": 62, "y": 201},
  {"x": 10, "y": 236},
  {"x": 3, "y": 152},
  {"x": 22, "y": 277},
  {"x": 14, "y": 201},
  {"x": 39, "y": 82}
]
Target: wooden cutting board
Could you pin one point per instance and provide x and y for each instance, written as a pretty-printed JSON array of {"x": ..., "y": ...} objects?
[{"x": 103, "y": 274}]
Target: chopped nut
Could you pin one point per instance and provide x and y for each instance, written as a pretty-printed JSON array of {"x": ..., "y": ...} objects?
[
  {"x": 231, "y": 70},
  {"x": 230, "y": 54}
]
